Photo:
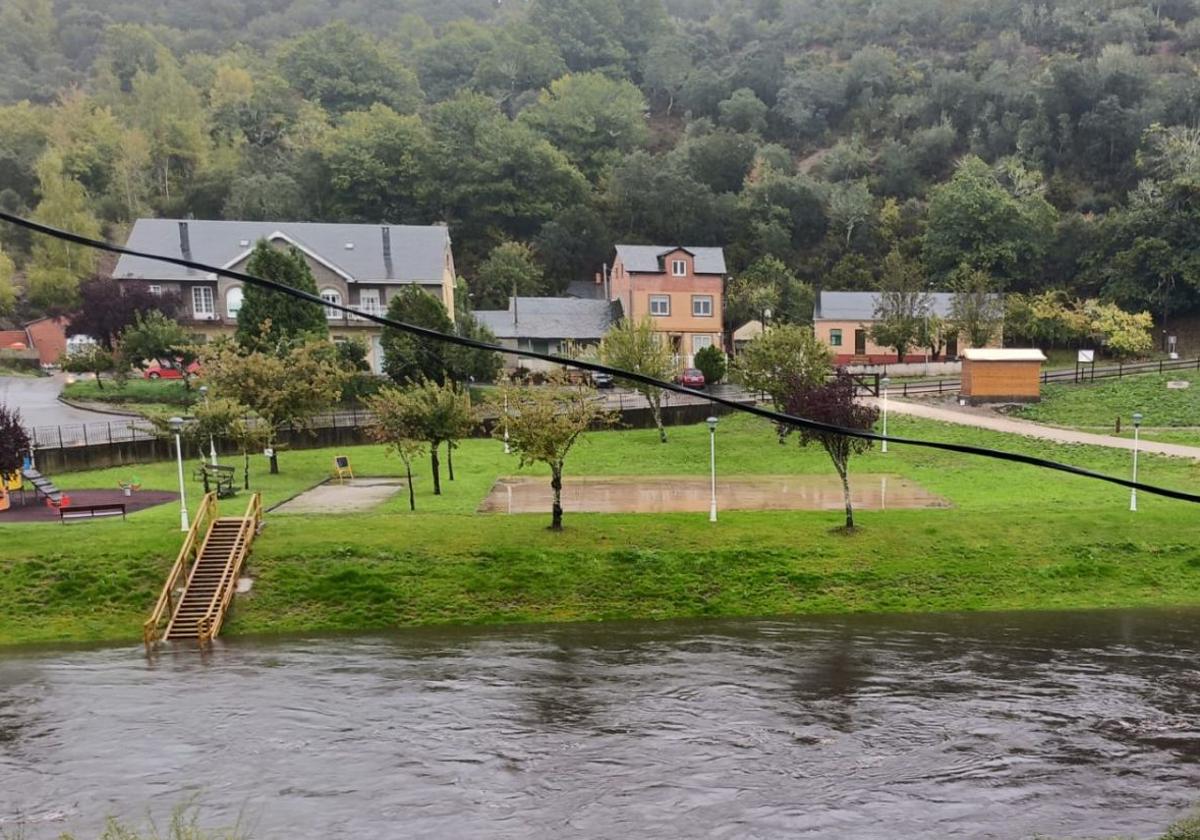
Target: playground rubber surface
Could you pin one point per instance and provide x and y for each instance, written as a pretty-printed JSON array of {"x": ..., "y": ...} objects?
[
  {"x": 660, "y": 494},
  {"x": 36, "y": 510}
]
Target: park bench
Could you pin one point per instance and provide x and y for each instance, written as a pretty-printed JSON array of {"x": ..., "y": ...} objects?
[
  {"x": 73, "y": 512},
  {"x": 218, "y": 478}
]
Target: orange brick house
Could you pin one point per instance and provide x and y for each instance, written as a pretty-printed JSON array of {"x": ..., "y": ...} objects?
[{"x": 680, "y": 287}]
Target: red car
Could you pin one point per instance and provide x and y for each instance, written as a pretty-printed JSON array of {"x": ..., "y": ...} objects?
[
  {"x": 169, "y": 369},
  {"x": 691, "y": 377}
]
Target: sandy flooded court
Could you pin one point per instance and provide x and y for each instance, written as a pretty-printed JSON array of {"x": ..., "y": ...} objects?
[
  {"x": 354, "y": 495},
  {"x": 659, "y": 494}
]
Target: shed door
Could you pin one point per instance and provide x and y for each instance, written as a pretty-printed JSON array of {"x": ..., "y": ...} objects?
[{"x": 860, "y": 342}]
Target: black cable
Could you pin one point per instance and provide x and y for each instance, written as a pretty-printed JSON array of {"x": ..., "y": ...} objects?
[{"x": 757, "y": 411}]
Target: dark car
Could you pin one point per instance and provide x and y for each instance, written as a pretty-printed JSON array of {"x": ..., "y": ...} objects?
[
  {"x": 692, "y": 378},
  {"x": 602, "y": 380}
]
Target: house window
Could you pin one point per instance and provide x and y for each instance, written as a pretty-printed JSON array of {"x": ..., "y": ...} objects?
[
  {"x": 155, "y": 289},
  {"x": 660, "y": 305},
  {"x": 233, "y": 302},
  {"x": 202, "y": 302},
  {"x": 679, "y": 268},
  {"x": 699, "y": 342},
  {"x": 368, "y": 301},
  {"x": 835, "y": 338},
  {"x": 702, "y": 306},
  {"x": 331, "y": 296}
]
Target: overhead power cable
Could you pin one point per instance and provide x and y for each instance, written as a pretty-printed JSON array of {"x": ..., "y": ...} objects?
[{"x": 595, "y": 367}]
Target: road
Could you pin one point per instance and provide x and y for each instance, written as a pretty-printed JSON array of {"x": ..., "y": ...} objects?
[
  {"x": 37, "y": 398},
  {"x": 1035, "y": 430}
]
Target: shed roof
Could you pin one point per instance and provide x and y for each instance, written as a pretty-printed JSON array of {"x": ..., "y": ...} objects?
[
  {"x": 418, "y": 252},
  {"x": 861, "y": 306},
  {"x": 648, "y": 258},
  {"x": 1004, "y": 354},
  {"x": 547, "y": 317}
]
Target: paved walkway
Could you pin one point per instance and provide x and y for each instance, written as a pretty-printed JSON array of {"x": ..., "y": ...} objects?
[{"x": 980, "y": 420}]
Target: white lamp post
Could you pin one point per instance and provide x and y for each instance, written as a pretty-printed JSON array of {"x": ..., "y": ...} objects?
[
  {"x": 212, "y": 447},
  {"x": 1137, "y": 423},
  {"x": 883, "y": 385},
  {"x": 176, "y": 424},
  {"x": 712, "y": 465},
  {"x": 506, "y": 448}
]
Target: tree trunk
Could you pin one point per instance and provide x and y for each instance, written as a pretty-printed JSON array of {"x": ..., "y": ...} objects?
[
  {"x": 656, "y": 412},
  {"x": 412, "y": 498},
  {"x": 844, "y": 472},
  {"x": 246, "y": 455},
  {"x": 274, "y": 462},
  {"x": 450, "y": 458},
  {"x": 556, "y": 510},
  {"x": 99, "y": 384},
  {"x": 433, "y": 463}
]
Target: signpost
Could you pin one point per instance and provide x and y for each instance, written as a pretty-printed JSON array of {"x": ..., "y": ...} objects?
[
  {"x": 341, "y": 466},
  {"x": 1086, "y": 357}
]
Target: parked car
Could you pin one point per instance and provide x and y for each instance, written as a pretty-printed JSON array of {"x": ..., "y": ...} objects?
[
  {"x": 169, "y": 369},
  {"x": 691, "y": 377},
  {"x": 602, "y": 380}
]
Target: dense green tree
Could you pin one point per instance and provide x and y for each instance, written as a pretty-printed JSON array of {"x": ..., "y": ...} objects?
[
  {"x": 272, "y": 321},
  {"x": 376, "y": 161},
  {"x": 743, "y": 111},
  {"x": 903, "y": 306},
  {"x": 55, "y": 266},
  {"x": 510, "y": 270},
  {"x": 783, "y": 357},
  {"x": 345, "y": 69},
  {"x": 408, "y": 358},
  {"x": 8, "y": 292}
]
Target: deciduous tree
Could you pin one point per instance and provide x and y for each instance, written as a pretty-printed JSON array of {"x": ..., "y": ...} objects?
[
  {"x": 14, "y": 441},
  {"x": 397, "y": 425},
  {"x": 56, "y": 266},
  {"x": 510, "y": 269},
  {"x": 903, "y": 303},
  {"x": 783, "y": 358},
  {"x": 634, "y": 346},
  {"x": 544, "y": 422},
  {"x": 108, "y": 307},
  {"x": 835, "y": 403},
  {"x": 711, "y": 362},
  {"x": 408, "y": 358}
]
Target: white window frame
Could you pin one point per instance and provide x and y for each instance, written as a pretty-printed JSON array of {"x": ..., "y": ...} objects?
[
  {"x": 700, "y": 341},
  {"x": 660, "y": 299},
  {"x": 370, "y": 301},
  {"x": 698, "y": 299},
  {"x": 203, "y": 302},
  {"x": 230, "y": 311},
  {"x": 155, "y": 289},
  {"x": 679, "y": 268},
  {"x": 332, "y": 296}
]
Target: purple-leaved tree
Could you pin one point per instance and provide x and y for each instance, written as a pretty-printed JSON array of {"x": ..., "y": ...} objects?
[{"x": 831, "y": 402}]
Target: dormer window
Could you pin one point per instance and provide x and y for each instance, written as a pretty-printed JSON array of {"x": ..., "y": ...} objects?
[{"x": 679, "y": 268}]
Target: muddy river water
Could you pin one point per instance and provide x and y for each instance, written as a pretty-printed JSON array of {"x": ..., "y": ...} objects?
[{"x": 939, "y": 726}]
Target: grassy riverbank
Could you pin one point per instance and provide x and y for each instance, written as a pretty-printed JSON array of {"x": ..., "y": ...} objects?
[
  {"x": 1171, "y": 415},
  {"x": 1015, "y": 538}
]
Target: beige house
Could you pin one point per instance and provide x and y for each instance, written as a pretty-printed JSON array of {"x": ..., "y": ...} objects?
[
  {"x": 361, "y": 266},
  {"x": 843, "y": 320},
  {"x": 680, "y": 288}
]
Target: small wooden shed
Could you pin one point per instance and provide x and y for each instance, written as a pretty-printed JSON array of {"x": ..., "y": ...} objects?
[{"x": 995, "y": 374}]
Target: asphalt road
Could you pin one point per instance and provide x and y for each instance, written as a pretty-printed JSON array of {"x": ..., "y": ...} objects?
[{"x": 37, "y": 399}]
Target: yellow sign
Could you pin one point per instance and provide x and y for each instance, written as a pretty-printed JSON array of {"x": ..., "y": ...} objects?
[
  {"x": 341, "y": 466},
  {"x": 12, "y": 481}
]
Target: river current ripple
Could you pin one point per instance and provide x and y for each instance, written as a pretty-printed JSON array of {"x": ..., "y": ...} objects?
[{"x": 938, "y": 726}]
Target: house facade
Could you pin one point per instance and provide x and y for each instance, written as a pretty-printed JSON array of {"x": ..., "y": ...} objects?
[
  {"x": 361, "y": 266},
  {"x": 680, "y": 288},
  {"x": 842, "y": 321},
  {"x": 562, "y": 326}
]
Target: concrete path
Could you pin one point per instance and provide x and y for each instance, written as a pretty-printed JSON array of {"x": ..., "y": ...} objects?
[{"x": 980, "y": 420}]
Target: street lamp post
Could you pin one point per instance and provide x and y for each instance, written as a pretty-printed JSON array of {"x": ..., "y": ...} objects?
[
  {"x": 712, "y": 464},
  {"x": 883, "y": 385},
  {"x": 1137, "y": 424},
  {"x": 212, "y": 447},
  {"x": 507, "y": 450},
  {"x": 176, "y": 424}
]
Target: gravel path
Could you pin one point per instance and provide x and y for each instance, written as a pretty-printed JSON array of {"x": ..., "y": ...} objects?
[{"x": 981, "y": 420}]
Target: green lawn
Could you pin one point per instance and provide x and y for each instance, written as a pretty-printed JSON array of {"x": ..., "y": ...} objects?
[
  {"x": 145, "y": 396},
  {"x": 1016, "y": 537},
  {"x": 1169, "y": 415}
]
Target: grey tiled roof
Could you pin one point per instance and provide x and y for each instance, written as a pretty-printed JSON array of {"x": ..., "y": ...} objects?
[
  {"x": 860, "y": 306},
  {"x": 417, "y": 251},
  {"x": 546, "y": 317},
  {"x": 645, "y": 257}
]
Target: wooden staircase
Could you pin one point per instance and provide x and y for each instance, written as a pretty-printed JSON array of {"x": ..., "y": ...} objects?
[{"x": 196, "y": 608}]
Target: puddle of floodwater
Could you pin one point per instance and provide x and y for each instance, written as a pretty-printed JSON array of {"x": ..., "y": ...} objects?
[{"x": 661, "y": 494}]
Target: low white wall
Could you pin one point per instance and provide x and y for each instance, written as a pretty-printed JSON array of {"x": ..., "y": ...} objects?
[{"x": 931, "y": 369}]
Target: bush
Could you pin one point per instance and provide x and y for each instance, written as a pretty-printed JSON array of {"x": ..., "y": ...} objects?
[{"x": 711, "y": 362}]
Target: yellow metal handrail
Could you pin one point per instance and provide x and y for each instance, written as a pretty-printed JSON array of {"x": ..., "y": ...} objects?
[
  {"x": 210, "y": 623},
  {"x": 205, "y": 514}
]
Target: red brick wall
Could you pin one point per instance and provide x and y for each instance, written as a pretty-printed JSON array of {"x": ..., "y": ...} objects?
[{"x": 49, "y": 338}]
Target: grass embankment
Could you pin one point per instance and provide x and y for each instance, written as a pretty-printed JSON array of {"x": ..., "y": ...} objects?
[
  {"x": 144, "y": 396},
  {"x": 1171, "y": 415},
  {"x": 1016, "y": 538}
]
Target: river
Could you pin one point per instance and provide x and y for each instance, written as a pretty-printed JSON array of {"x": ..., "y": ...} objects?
[{"x": 935, "y": 726}]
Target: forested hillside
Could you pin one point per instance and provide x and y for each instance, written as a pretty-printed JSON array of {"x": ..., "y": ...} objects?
[{"x": 1029, "y": 145}]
